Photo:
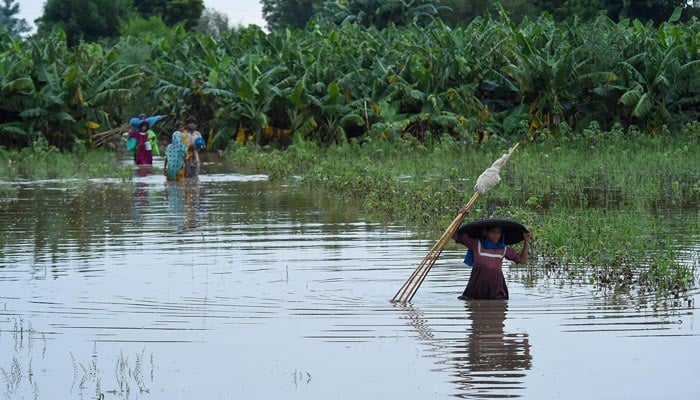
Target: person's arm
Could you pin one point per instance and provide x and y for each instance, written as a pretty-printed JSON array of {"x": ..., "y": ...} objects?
[
  {"x": 154, "y": 118},
  {"x": 456, "y": 235},
  {"x": 524, "y": 252}
]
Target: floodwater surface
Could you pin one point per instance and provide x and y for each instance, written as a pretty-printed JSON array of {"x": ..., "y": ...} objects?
[{"x": 236, "y": 288}]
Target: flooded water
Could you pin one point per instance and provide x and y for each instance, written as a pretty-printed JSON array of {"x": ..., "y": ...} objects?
[{"x": 233, "y": 287}]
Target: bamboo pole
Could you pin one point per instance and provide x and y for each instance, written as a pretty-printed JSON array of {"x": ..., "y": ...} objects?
[
  {"x": 410, "y": 287},
  {"x": 112, "y": 131}
]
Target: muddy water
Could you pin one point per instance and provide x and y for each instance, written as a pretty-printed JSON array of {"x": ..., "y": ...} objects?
[{"x": 236, "y": 288}]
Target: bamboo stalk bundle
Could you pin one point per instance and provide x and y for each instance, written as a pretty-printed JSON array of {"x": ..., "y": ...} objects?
[{"x": 487, "y": 180}]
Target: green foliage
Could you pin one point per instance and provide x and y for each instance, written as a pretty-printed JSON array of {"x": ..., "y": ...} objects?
[
  {"x": 380, "y": 13},
  {"x": 280, "y": 14},
  {"x": 9, "y": 21},
  {"x": 492, "y": 78},
  {"x": 84, "y": 20},
  {"x": 153, "y": 27},
  {"x": 172, "y": 12},
  {"x": 43, "y": 161},
  {"x": 655, "y": 11},
  {"x": 562, "y": 191},
  {"x": 186, "y": 12}
]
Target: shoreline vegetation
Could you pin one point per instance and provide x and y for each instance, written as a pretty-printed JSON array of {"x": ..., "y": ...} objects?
[
  {"x": 333, "y": 83},
  {"x": 595, "y": 202},
  {"x": 617, "y": 209},
  {"x": 400, "y": 121}
]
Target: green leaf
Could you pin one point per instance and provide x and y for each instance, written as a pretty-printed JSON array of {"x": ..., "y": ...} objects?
[
  {"x": 643, "y": 106},
  {"x": 676, "y": 16}
]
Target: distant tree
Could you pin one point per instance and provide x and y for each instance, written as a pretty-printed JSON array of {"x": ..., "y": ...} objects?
[
  {"x": 185, "y": 11},
  {"x": 144, "y": 27},
  {"x": 463, "y": 11},
  {"x": 87, "y": 20},
  {"x": 289, "y": 13},
  {"x": 644, "y": 10},
  {"x": 149, "y": 8},
  {"x": 8, "y": 20},
  {"x": 172, "y": 11},
  {"x": 380, "y": 13},
  {"x": 566, "y": 10},
  {"x": 213, "y": 23}
]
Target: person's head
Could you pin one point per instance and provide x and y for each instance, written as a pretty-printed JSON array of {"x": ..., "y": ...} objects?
[
  {"x": 493, "y": 234},
  {"x": 143, "y": 126},
  {"x": 179, "y": 126},
  {"x": 142, "y": 117},
  {"x": 191, "y": 123}
]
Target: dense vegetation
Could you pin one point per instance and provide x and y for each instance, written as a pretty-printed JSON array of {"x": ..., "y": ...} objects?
[
  {"x": 329, "y": 83},
  {"x": 616, "y": 208},
  {"x": 397, "y": 120}
]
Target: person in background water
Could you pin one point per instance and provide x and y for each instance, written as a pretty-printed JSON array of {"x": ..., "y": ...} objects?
[
  {"x": 143, "y": 152},
  {"x": 196, "y": 141},
  {"x": 176, "y": 154},
  {"x": 485, "y": 256},
  {"x": 136, "y": 121},
  {"x": 136, "y": 124}
]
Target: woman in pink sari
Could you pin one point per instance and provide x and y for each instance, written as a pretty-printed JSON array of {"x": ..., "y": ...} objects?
[{"x": 144, "y": 151}]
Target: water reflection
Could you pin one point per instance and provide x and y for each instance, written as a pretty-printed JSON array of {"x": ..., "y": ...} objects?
[
  {"x": 275, "y": 285},
  {"x": 483, "y": 359},
  {"x": 143, "y": 170},
  {"x": 493, "y": 360},
  {"x": 183, "y": 203}
]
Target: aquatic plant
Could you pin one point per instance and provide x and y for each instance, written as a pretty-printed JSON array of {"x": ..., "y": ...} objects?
[
  {"x": 43, "y": 161},
  {"x": 599, "y": 205}
]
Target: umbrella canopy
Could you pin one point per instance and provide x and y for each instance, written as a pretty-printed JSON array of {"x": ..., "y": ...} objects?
[{"x": 512, "y": 231}]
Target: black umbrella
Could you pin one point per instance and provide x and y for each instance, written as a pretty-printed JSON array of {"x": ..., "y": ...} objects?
[{"x": 512, "y": 231}]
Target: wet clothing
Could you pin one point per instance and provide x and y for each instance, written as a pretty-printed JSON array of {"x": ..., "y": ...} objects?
[
  {"x": 486, "y": 280},
  {"x": 143, "y": 153},
  {"x": 154, "y": 143},
  {"x": 192, "y": 158},
  {"x": 175, "y": 156}
]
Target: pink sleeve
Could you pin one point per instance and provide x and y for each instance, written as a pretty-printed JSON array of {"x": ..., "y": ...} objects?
[
  {"x": 466, "y": 240},
  {"x": 513, "y": 256}
]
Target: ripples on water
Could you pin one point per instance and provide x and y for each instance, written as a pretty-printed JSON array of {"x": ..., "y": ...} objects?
[{"x": 235, "y": 288}]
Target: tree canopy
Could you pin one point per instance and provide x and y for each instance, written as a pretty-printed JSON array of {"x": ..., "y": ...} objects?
[
  {"x": 289, "y": 13},
  {"x": 9, "y": 21},
  {"x": 91, "y": 20},
  {"x": 88, "y": 20},
  {"x": 297, "y": 13}
]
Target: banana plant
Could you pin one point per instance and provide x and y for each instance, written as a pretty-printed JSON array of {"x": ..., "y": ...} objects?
[
  {"x": 16, "y": 90},
  {"x": 325, "y": 118},
  {"x": 51, "y": 112},
  {"x": 99, "y": 86},
  {"x": 246, "y": 94},
  {"x": 660, "y": 79},
  {"x": 552, "y": 73}
]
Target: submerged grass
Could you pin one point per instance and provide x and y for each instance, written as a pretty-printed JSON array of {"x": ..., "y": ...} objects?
[
  {"x": 617, "y": 206},
  {"x": 43, "y": 161}
]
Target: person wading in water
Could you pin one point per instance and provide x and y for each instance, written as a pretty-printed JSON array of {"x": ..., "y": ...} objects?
[{"x": 485, "y": 254}]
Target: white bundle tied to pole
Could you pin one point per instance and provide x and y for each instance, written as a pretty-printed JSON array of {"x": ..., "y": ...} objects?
[{"x": 490, "y": 178}]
